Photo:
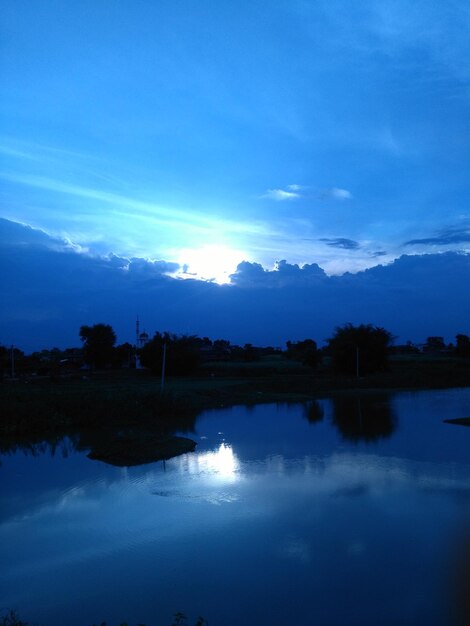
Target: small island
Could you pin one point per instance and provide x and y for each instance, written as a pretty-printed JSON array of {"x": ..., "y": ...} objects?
[
  {"x": 140, "y": 448},
  {"x": 462, "y": 421}
]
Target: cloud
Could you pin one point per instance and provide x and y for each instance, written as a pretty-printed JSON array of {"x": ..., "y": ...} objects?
[
  {"x": 341, "y": 242},
  {"x": 49, "y": 291},
  {"x": 129, "y": 207},
  {"x": 340, "y": 194},
  {"x": 295, "y": 187},
  {"x": 149, "y": 267},
  {"x": 434, "y": 31},
  {"x": 446, "y": 237},
  {"x": 336, "y": 193},
  {"x": 19, "y": 235},
  {"x": 280, "y": 194},
  {"x": 293, "y": 192},
  {"x": 284, "y": 274},
  {"x": 424, "y": 26}
]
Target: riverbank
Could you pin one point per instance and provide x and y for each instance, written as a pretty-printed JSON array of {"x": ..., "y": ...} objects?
[{"x": 130, "y": 398}]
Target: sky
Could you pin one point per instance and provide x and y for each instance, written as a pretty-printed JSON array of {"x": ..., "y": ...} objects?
[{"x": 195, "y": 136}]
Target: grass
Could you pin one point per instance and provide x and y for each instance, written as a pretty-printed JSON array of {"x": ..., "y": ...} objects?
[
  {"x": 179, "y": 619},
  {"x": 11, "y": 619},
  {"x": 132, "y": 399}
]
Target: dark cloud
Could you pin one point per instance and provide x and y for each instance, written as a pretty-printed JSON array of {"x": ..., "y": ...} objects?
[
  {"x": 19, "y": 235},
  {"x": 445, "y": 237},
  {"x": 378, "y": 253},
  {"x": 146, "y": 268},
  {"x": 118, "y": 262},
  {"x": 48, "y": 293},
  {"x": 341, "y": 242},
  {"x": 284, "y": 274}
]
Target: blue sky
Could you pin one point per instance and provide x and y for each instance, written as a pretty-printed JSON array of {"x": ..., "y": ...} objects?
[
  {"x": 323, "y": 148},
  {"x": 207, "y": 133}
]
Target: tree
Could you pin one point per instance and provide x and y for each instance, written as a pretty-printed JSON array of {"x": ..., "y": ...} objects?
[
  {"x": 182, "y": 354},
  {"x": 3, "y": 361},
  {"x": 124, "y": 355},
  {"x": 305, "y": 351},
  {"x": 462, "y": 347},
  {"x": 98, "y": 342},
  {"x": 250, "y": 353},
  {"x": 12, "y": 361},
  {"x": 434, "y": 344},
  {"x": 359, "y": 350}
]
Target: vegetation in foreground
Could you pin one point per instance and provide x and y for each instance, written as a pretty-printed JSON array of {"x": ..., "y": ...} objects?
[{"x": 11, "y": 618}]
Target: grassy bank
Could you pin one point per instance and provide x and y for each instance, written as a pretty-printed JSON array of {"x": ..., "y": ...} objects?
[{"x": 131, "y": 398}]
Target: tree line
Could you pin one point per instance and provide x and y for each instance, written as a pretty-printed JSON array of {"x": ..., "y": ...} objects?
[
  {"x": 354, "y": 350},
  {"x": 351, "y": 350}
]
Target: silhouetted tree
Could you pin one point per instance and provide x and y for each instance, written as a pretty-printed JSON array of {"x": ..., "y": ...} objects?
[
  {"x": 182, "y": 354},
  {"x": 124, "y": 355},
  {"x": 222, "y": 344},
  {"x": 250, "y": 353},
  {"x": 305, "y": 351},
  {"x": 359, "y": 349},
  {"x": 218, "y": 350},
  {"x": 98, "y": 343},
  {"x": 462, "y": 347},
  {"x": 434, "y": 344},
  {"x": 12, "y": 361},
  {"x": 3, "y": 361}
]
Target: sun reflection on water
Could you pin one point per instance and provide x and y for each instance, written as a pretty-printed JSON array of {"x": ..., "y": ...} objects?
[{"x": 221, "y": 463}]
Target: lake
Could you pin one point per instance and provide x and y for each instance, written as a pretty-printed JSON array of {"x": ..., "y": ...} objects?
[{"x": 352, "y": 510}]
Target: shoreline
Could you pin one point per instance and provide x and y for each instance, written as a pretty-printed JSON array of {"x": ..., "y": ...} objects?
[
  {"x": 111, "y": 412},
  {"x": 135, "y": 397}
]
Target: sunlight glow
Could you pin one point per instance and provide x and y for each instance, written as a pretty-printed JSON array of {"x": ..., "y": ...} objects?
[
  {"x": 210, "y": 262},
  {"x": 221, "y": 463}
]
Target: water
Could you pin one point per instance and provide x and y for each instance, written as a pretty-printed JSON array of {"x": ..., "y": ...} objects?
[{"x": 341, "y": 512}]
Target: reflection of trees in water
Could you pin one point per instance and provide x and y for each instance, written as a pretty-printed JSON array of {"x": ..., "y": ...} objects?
[
  {"x": 95, "y": 438},
  {"x": 313, "y": 412},
  {"x": 34, "y": 446},
  {"x": 364, "y": 417},
  {"x": 88, "y": 438}
]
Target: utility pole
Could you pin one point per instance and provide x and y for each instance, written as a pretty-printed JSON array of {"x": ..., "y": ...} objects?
[
  {"x": 163, "y": 367},
  {"x": 136, "y": 350},
  {"x": 357, "y": 361},
  {"x": 12, "y": 361}
]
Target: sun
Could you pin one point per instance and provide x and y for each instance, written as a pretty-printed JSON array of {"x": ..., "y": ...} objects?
[{"x": 211, "y": 262}]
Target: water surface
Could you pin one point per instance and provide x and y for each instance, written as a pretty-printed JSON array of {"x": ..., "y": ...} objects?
[{"x": 349, "y": 511}]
